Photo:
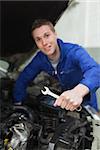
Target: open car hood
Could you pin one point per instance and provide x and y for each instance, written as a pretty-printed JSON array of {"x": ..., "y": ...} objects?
[{"x": 17, "y": 18}]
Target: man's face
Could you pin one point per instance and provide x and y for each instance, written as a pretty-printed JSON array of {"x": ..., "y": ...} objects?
[{"x": 45, "y": 39}]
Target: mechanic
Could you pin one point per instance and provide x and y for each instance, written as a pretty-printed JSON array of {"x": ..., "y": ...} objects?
[{"x": 77, "y": 72}]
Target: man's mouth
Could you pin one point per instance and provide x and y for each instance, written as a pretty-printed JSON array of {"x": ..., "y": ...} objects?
[{"x": 47, "y": 48}]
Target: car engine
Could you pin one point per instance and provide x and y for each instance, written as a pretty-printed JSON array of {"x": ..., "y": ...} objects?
[{"x": 38, "y": 125}]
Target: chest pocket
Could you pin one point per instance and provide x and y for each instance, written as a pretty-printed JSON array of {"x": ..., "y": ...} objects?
[
  {"x": 71, "y": 77},
  {"x": 67, "y": 75}
]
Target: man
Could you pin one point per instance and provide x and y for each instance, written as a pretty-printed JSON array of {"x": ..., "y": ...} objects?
[{"x": 77, "y": 73}]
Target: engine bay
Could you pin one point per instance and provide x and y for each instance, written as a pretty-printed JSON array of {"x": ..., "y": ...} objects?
[{"x": 37, "y": 124}]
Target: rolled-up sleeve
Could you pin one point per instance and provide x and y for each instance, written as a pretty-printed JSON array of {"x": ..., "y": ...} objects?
[{"x": 90, "y": 69}]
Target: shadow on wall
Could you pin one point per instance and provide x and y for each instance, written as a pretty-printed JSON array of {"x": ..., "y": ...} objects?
[{"x": 95, "y": 53}]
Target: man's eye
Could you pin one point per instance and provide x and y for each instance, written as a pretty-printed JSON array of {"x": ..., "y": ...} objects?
[
  {"x": 37, "y": 40},
  {"x": 47, "y": 35}
]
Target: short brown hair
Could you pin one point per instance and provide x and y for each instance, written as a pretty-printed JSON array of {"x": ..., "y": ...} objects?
[{"x": 39, "y": 22}]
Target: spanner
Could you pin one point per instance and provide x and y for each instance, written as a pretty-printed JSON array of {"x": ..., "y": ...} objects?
[{"x": 48, "y": 92}]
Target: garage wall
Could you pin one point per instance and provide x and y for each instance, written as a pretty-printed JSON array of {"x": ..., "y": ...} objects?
[{"x": 80, "y": 23}]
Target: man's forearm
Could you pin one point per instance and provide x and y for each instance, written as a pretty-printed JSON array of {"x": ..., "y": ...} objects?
[{"x": 81, "y": 89}]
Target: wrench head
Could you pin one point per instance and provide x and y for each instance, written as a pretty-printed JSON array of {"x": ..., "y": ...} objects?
[{"x": 45, "y": 92}]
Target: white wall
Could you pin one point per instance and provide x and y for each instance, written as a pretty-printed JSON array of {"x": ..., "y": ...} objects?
[{"x": 80, "y": 23}]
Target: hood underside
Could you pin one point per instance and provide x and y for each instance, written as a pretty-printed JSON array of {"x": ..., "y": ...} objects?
[{"x": 17, "y": 18}]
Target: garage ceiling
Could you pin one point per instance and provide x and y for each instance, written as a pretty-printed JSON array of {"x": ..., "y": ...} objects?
[{"x": 17, "y": 18}]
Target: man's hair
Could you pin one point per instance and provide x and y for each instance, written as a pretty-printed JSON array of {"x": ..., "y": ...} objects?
[{"x": 39, "y": 22}]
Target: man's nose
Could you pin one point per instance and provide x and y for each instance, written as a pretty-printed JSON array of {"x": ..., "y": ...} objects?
[{"x": 44, "y": 42}]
